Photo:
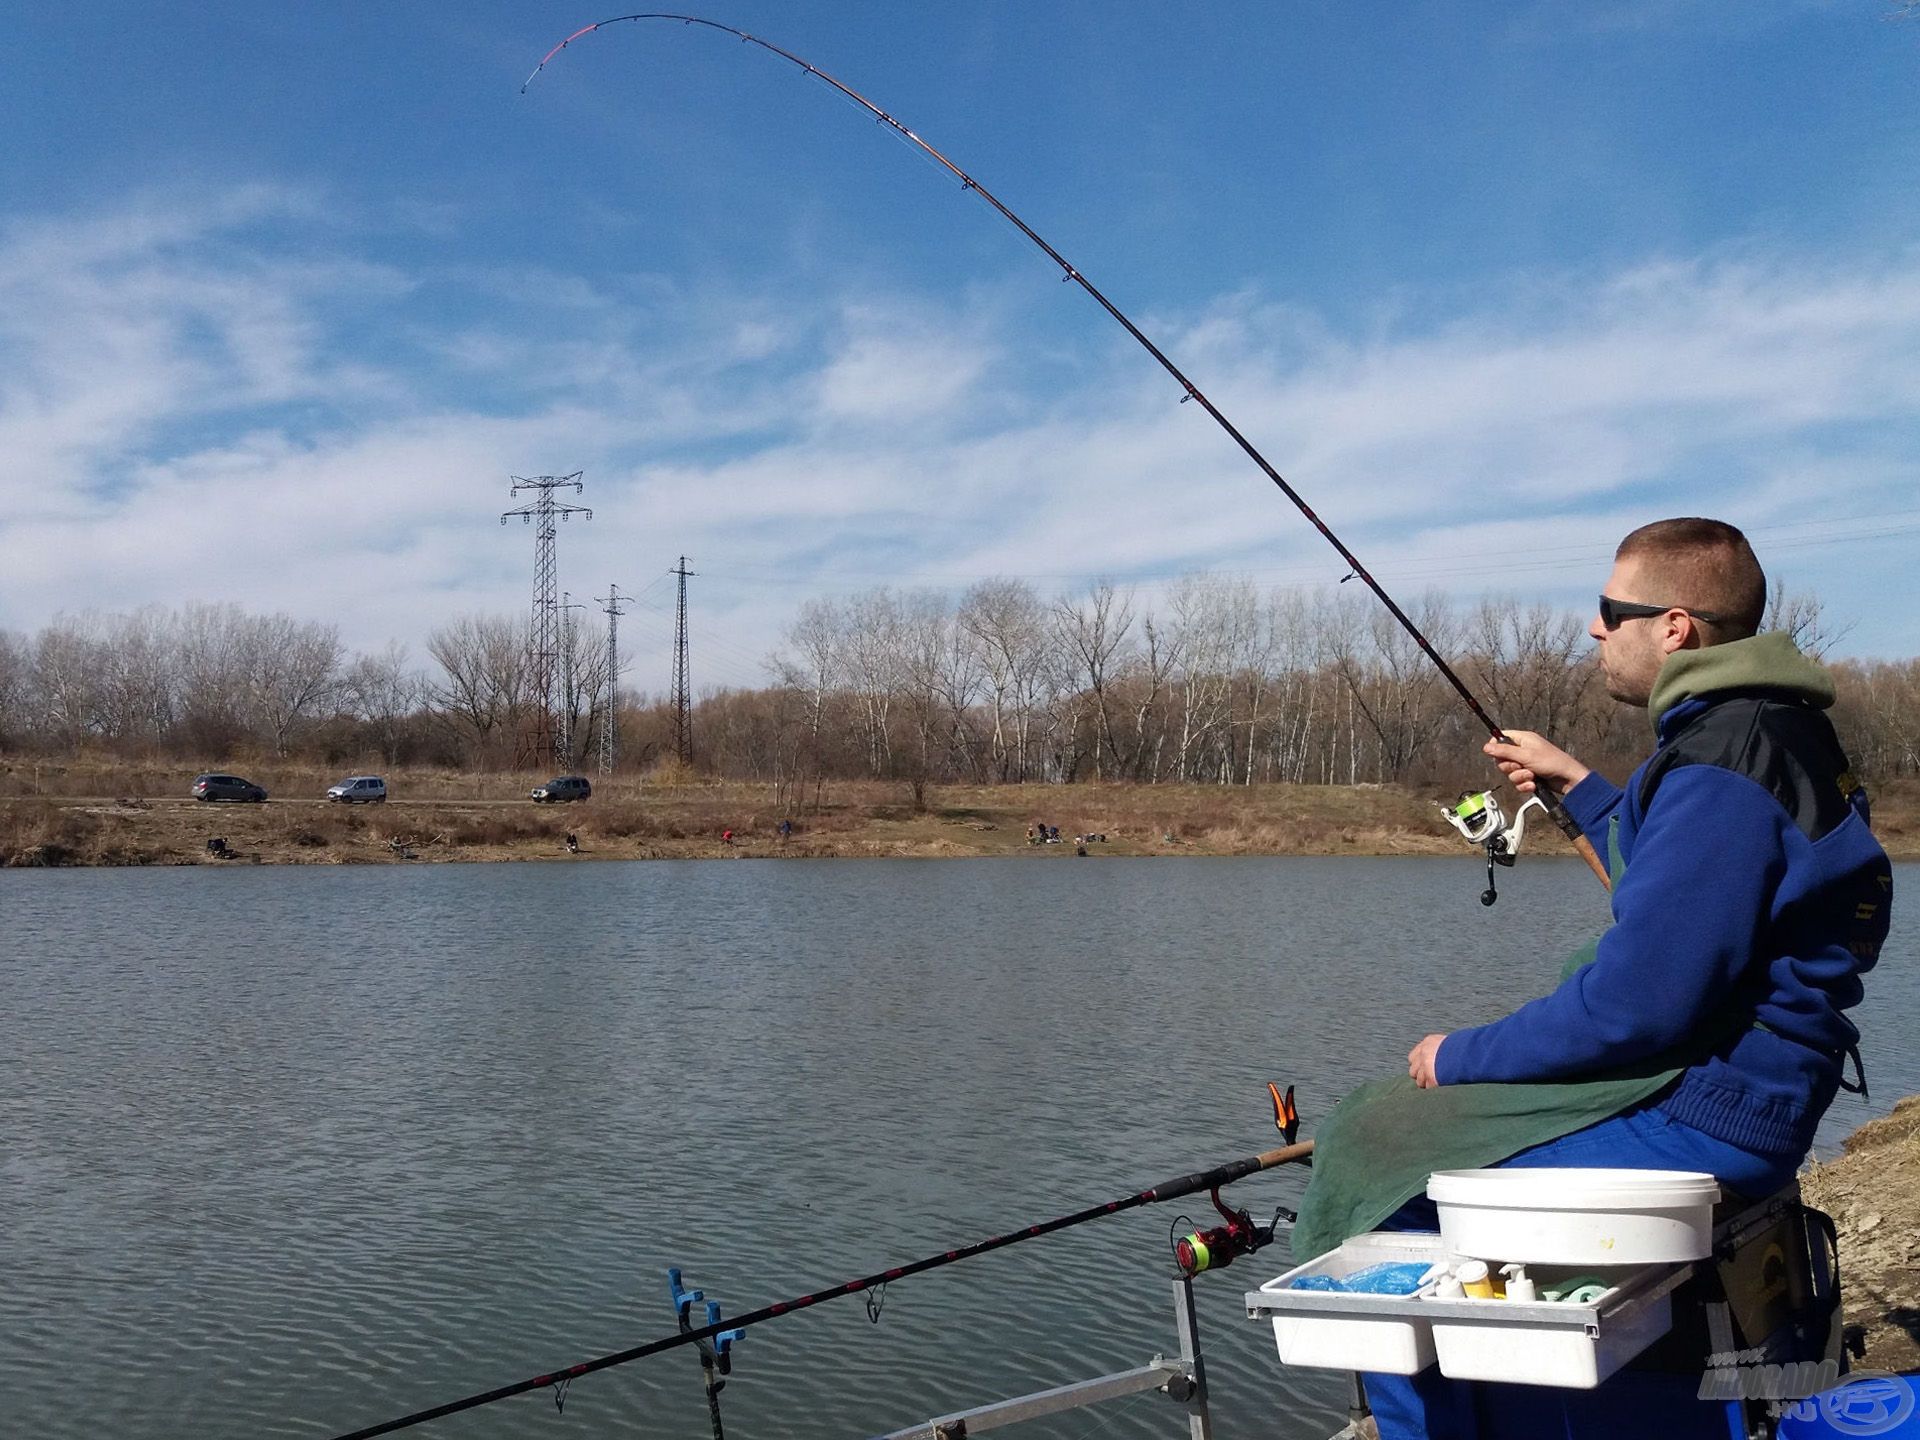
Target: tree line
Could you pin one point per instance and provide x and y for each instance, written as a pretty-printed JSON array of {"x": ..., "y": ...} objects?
[{"x": 1218, "y": 683}]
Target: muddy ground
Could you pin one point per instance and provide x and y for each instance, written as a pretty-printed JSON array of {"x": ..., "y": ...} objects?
[{"x": 1873, "y": 1193}]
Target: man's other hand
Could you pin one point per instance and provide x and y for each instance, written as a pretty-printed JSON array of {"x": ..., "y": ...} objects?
[
  {"x": 1526, "y": 759},
  {"x": 1420, "y": 1062}
]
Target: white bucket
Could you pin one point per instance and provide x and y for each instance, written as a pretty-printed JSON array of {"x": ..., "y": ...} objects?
[{"x": 1576, "y": 1217}]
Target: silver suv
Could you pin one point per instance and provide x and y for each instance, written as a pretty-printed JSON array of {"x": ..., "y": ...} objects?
[{"x": 365, "y": 789}]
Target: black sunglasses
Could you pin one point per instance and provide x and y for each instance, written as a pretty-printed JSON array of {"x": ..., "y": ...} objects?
[{"x": 1613, "y": 611}]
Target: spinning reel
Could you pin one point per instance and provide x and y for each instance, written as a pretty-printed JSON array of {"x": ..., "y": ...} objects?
[
  {"x": 1477, "y": 815},
  {"x": 1218, "y": 1246}
]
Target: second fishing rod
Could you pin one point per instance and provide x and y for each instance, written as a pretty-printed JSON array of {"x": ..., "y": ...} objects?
[
  {"x": 1555, "y": 809},
  {"x": 1236, "y": 1232}
]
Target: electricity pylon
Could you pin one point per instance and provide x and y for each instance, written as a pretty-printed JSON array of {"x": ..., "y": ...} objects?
[
  {"x": 543, "y": 640},
  {"x": 609, "y": 719},
  {"x": 682, "y": 702},
  {"x": 563, "y": 725}
]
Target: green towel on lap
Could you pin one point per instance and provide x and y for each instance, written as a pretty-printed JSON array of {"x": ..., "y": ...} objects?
[{"x": 1376, "y": 1150}]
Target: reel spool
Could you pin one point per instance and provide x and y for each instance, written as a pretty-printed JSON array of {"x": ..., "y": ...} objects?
[{"x": 1478, "y": 817}]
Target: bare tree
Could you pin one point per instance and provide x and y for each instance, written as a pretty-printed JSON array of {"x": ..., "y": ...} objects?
[
  {"x": 1006, "y": 685},
  {"x": 958, "y": 677},
  {"x": 210, "y": 675},
  {"x": 485, "y": 680},
  {"x": 1144, "y": 679},
  {"x": 293, "y": 670},
  {"x": 1093, "y": 632},
  {"x": 138, "y": 660},
  {"x": 1802, "y": 615},
  {"x": 817, "y": 637},
  {"x": 920, "y": 644},
  {"x": 1262, "y": 646},
  {"x": 1007, "y": 625},
  {"x": 1395, "y": 688},
  {"x": 382, "y": 691},
  {"x": 580, "y": 686},
  {"x": 66, "y": 681},
  {"x": 1215, "y": 625},
  {"x": 870, "y": 664},
  {"x": 1878, "y": 713},
  {"x": 1529, "y": 664},
  {"x": 16, "y": 674}
]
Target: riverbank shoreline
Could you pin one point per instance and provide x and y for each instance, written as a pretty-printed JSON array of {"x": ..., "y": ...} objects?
[
  {"x": 438, "y": 818},
  {"x": 1872, "y": 1191}
]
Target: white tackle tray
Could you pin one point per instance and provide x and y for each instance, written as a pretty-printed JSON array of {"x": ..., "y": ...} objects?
[
  {"x": 1391, "y": 1334},
  {"x": 1532, "y": 1343}
]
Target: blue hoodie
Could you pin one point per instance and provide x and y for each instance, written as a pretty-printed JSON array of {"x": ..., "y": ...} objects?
[{"x": 1754, "y": 898}]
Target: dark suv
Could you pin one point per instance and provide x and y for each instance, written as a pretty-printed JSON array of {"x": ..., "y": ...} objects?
[
  {"x": 226, "y": 787},
  {"x": 563, "y": 787}
]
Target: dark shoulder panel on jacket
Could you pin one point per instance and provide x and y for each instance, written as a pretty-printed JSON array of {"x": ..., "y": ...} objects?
[{"x": 1785, "y": 746}]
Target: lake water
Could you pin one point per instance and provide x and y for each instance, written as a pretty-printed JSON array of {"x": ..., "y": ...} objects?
[{"x": 284, "y": 1152}]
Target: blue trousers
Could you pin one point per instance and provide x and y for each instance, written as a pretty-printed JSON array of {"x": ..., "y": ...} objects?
[{"x": 1428, "y": 1406}]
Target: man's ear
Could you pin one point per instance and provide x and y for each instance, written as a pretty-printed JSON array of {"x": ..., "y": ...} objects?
[{"x": 1681, "y": 632}]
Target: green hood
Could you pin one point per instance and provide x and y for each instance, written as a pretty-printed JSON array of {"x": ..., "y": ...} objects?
[{"x": 1760, "y": 662}]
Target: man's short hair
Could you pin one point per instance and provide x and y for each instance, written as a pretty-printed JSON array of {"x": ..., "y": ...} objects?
[{"x": 1705, "y": 563}]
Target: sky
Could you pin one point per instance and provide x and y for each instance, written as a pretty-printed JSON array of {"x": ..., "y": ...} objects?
[{"x": 288, "y": 295}]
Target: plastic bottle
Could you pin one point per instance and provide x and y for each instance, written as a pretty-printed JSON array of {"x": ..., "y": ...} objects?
[
  {"x": 1519, "y": 1286},
  {"x": 1474, "y": 1279}
]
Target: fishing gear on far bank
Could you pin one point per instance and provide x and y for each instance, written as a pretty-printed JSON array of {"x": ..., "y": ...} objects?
[{"x": 1549, "y": 802}]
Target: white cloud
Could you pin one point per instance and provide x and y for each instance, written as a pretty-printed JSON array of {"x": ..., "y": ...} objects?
[
  {"x": 894, "y": 366},
  {"x": 193, "y": 407}
]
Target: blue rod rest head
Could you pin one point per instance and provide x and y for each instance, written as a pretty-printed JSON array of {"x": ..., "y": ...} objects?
[
  {"x": 681, "y": 1297},
  {"x": 723, "y": 1342}
]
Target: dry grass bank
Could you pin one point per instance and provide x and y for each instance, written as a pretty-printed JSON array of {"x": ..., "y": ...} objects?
[
  {"x": 121, "y": 816},
  {"x": 109, "y": 813}
]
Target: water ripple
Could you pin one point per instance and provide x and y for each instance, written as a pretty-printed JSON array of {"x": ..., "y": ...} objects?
[{"x": 287, "y": 1152}]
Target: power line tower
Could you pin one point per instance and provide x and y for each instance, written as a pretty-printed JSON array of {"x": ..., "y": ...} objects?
[
  {"x": 610, "y": 718},
  {"x": 682, "y": 706},
  {"x": 543, "y": 643},
  {"x": 563, "y": 726}
]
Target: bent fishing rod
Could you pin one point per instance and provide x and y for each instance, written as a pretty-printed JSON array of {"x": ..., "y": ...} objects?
[
  {"x": 1291, "y": 1153},
  {"x": 1555, "y": 809}
]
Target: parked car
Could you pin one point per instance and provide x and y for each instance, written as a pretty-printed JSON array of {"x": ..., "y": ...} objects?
[
  {"x": 226, "y": 787},
  {"x": 363, "y": 789},
  {"x": 562, "y": 787}
]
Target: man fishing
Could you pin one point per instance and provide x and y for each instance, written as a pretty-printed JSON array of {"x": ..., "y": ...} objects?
[{"x": 1705, "y": 1029}]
